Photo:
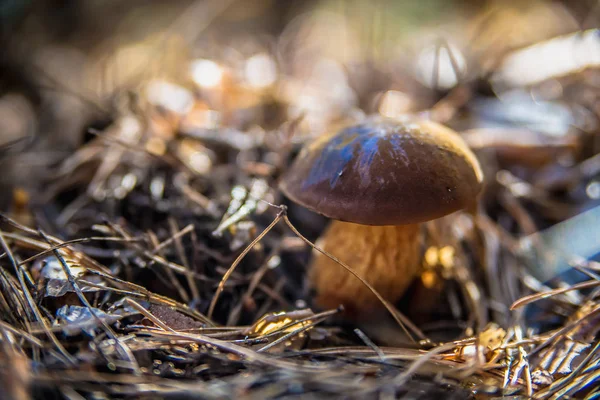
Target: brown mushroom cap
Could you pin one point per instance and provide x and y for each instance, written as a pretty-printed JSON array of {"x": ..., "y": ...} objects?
[{"x": 385, "y": 172}]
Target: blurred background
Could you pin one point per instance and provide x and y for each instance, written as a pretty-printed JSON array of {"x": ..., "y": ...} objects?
[{"x": 66, "y": 65}]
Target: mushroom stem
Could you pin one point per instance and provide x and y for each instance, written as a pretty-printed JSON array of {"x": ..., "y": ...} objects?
[{"x": 388, "y": 257}]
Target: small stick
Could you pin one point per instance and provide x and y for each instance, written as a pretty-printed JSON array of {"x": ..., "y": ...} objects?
[
  {"x": 181, "y": 252},
  {"x": 370, "y": 343},
  {"x": 221, "y": 286},
  {"x": 523, "y": 301}
]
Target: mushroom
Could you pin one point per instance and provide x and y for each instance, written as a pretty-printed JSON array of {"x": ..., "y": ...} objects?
[{"x": 378, "y": 181}]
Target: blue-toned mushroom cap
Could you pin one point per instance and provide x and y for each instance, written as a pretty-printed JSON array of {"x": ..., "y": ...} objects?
[{"x": 385, "y": 172}]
